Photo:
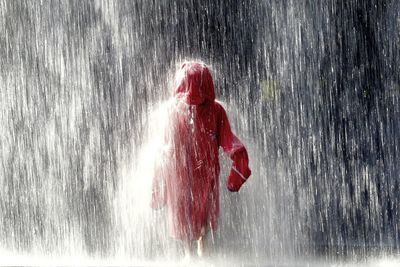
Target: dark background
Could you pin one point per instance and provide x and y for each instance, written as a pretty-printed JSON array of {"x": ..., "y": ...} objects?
[{"x": 316, "y": 83}]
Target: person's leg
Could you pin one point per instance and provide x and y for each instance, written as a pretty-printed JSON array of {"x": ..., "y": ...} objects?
[
  {"x": 201, "y": 243},
  {"x": 200, "y": 246},
  {"x": 188, "y": 248}
]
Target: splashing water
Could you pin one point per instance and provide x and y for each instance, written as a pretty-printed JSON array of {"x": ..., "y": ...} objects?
[
  {"x": 312, "y": 87},
  {"x": 148, "y": 234}
]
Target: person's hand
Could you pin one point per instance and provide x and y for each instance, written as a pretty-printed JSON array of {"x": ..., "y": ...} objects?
[
  {"x": 236, "y": 179},
  {"x": 157, "y": 202},
  {"x": 157, "y": 206}
]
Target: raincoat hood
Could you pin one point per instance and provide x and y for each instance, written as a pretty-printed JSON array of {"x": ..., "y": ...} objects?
[{"x": 195, "y": 84}]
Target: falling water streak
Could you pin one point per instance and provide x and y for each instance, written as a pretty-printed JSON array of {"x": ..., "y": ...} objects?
[{"x": 313, "y": 87}]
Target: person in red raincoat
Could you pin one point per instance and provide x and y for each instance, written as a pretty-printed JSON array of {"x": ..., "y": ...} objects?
[{"x": 187, "y": 181}]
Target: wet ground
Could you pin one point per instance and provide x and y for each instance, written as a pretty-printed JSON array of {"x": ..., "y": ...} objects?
[{"x": 13, "y": 259}]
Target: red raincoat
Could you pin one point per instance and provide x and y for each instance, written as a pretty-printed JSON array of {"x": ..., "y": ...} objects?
[{"x": 188, "y": 180}]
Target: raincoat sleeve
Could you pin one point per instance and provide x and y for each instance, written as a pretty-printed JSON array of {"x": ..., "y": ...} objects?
[
  {"x": 161, "y": 169},
  {"x": 158, "y": 190},
  {"x": 234, "y": 148}
]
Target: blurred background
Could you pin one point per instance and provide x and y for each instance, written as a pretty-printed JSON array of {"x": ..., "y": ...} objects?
[{"x": 312, "y": 87}]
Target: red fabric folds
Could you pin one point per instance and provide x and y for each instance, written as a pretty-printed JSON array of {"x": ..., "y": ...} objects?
[{"x": 188, "y": 180}]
